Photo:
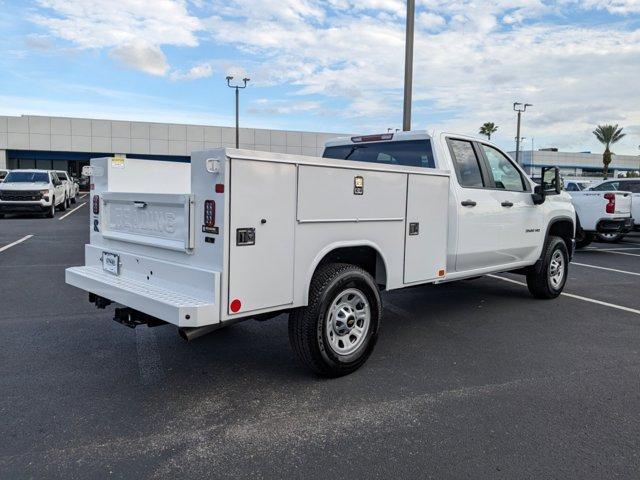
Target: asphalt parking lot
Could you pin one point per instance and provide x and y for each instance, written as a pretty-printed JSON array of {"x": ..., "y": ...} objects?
[{"x": 469, "y": 380}]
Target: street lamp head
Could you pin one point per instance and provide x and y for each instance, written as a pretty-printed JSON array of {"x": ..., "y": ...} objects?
[
  {"x": 245, "y": 80},
  {"x": 515, "y": 104},
  {"x": 229, "y": 78}
]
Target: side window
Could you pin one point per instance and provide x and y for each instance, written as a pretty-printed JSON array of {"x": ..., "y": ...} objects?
[
  {"x": 466, "y": 163},
  {"x": 633, "y": 187},
  {"x": 505, "y": 175},
  {"x": 54, "y": 179},
  {"x": 572, "y": 187},
  {"x": 603, "y": 187}
]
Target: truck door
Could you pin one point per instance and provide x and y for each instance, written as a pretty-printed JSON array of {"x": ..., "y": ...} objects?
[
  {"x": 522, "y": 219},
  {"x": 262, "y": 216},
  {"x": 480, "y": 224}
]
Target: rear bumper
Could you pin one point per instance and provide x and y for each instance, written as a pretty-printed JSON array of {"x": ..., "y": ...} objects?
[
  {"x": 616, "y": 225},
  {"x": 159, "y": 302}
]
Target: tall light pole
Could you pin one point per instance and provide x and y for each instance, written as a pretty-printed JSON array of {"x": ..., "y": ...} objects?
[
  {"x": 408, "y": 66},
  {"x": 238, "y": 88},
  {"x": 519, "y": 107}
]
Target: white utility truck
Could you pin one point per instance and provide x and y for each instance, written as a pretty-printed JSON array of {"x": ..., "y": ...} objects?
[{"x": 260, "y": 234}]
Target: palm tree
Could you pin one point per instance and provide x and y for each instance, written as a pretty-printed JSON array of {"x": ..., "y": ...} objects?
[
  {"x": 488, "y": 128},
  {"x": 608, "y": 135}
]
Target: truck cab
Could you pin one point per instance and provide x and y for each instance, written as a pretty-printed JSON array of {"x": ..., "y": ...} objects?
[{"x": 496, "y": 218}]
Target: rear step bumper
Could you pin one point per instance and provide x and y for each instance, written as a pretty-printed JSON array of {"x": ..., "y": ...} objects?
[{"x": 170, "y": 306}]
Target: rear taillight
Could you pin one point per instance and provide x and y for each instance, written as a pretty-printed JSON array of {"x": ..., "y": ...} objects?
[
  {"x": 209, "y": 213},
  {"x": 96, "y": 204},
  {"x": 611, "y": 206}
]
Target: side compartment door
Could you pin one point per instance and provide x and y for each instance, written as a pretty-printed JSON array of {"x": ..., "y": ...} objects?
[
  {"x": 261, "y": 235},
  {"x": 426, "y": 227}
]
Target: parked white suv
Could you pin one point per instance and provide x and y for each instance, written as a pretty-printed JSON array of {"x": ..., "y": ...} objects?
[
  {"x": 38, "y": 191},
  {"x": 70, "y": 186}
]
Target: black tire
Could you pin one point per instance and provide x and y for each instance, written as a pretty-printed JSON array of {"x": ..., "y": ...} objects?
[
  {"x": 52, "y": 210},
  {"x": 308, "y": 325},
  {"x": 610, "y": 237},
  {"x": 583, "y": 239},
  {"x": 1, "y": 215},
  {"x": 73, "y": 199},
  {"x": 63, "y": 204},
  {"x": 67, "y": 202},
  {"x": 542, "y": 284}
]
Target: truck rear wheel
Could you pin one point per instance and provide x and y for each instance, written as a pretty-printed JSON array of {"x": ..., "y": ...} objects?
[
  {"x": 550, "y": 280},
  {"x": 335, "y": 334}
]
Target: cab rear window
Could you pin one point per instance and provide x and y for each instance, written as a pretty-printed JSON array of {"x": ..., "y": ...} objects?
[{"x": 412, "y": 153}]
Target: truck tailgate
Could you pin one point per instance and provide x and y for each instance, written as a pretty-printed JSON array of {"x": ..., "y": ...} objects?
[
  {"x": 623, "y": 203},
  {"x": 158, "y": 220}
]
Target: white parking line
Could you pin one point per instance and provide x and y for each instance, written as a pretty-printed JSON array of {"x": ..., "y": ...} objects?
[
  {"x": 577, "y": 297},
  {"x": 7, "y": 247},
  {"x": 616, "y": 252},
  {"x": 612, "y": 249},
  {"x": 71, "y": 211},
  {"x": 605, "y": 268},
  {"x": 82, "y": 196}
]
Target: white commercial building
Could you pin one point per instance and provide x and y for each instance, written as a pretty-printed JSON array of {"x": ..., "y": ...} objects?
[
  {"x": 61, "y": 143},
  {"x": 576, "y": 164}
]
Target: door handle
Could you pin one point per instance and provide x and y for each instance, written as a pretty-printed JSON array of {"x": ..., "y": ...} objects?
[
  {"x": 507, "y": 204},
  {"x": 468, "y": 203}
]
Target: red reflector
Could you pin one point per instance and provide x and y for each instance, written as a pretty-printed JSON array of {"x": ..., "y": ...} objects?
[
  {"x": 209, "y": 213},
  {"x": 92, "y": 187},
  {"x": 236, "y": 305},
  {"x": 611, "y": 206},
  {"x": 372, "y": 138},
  {"x": 96, "y": 204},
  {"x": 219, "y": 187}
]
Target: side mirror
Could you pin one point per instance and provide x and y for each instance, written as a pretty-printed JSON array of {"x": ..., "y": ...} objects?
[
  {"x": 538, "y": 195},
  {"x": 551, "y": 181}
]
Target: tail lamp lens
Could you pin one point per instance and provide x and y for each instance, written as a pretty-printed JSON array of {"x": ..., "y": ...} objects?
[
  {"x": 209, "y": 213},
  {"x": 611, "y": 206},
  {"x": 96, "y": 204}
]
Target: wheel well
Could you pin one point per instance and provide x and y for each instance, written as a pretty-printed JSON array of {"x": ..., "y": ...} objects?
[
  {"x": 365, "y": 257},
  {"x": 564, "y": 230}
]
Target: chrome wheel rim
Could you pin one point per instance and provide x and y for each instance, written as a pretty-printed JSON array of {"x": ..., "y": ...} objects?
[
  {"x": 348, "y": 321},
  {"x": 609, "y": 236},
  {"x": 556, "y": 269}
]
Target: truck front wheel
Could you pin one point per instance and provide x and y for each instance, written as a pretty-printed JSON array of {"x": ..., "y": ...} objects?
[
  {"x": 335, "y": 334},
  {"x": 549, "y": 281}
]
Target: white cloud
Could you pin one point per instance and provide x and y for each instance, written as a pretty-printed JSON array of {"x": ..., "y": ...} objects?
[
  {"x": 146, "y": 58},
  {"x": 201, "y": 70},
  {"x": 133, "y": 30},
  {"x": 623, "y": 7},
  {"x": 489, "y": 55}
]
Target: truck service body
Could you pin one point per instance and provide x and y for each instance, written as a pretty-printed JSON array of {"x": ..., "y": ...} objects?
[{"x": 258, "y": 234}]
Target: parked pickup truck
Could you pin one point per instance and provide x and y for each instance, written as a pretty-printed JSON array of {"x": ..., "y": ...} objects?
[
  {"x": 70, "y": 186},
  {"x": 601, "y": 212},
  {"x": 631, "y": 185},
  {"x": 38, "y": 191},
  {"x": 260, "y": 234}
]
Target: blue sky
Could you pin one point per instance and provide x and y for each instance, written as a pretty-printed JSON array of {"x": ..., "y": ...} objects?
[{"x": 330, "y": 65}]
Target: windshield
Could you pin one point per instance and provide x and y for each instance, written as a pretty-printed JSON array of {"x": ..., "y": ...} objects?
[
  {"x": 412, "y": 153},
  {"x": 27, "y": 177}
]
